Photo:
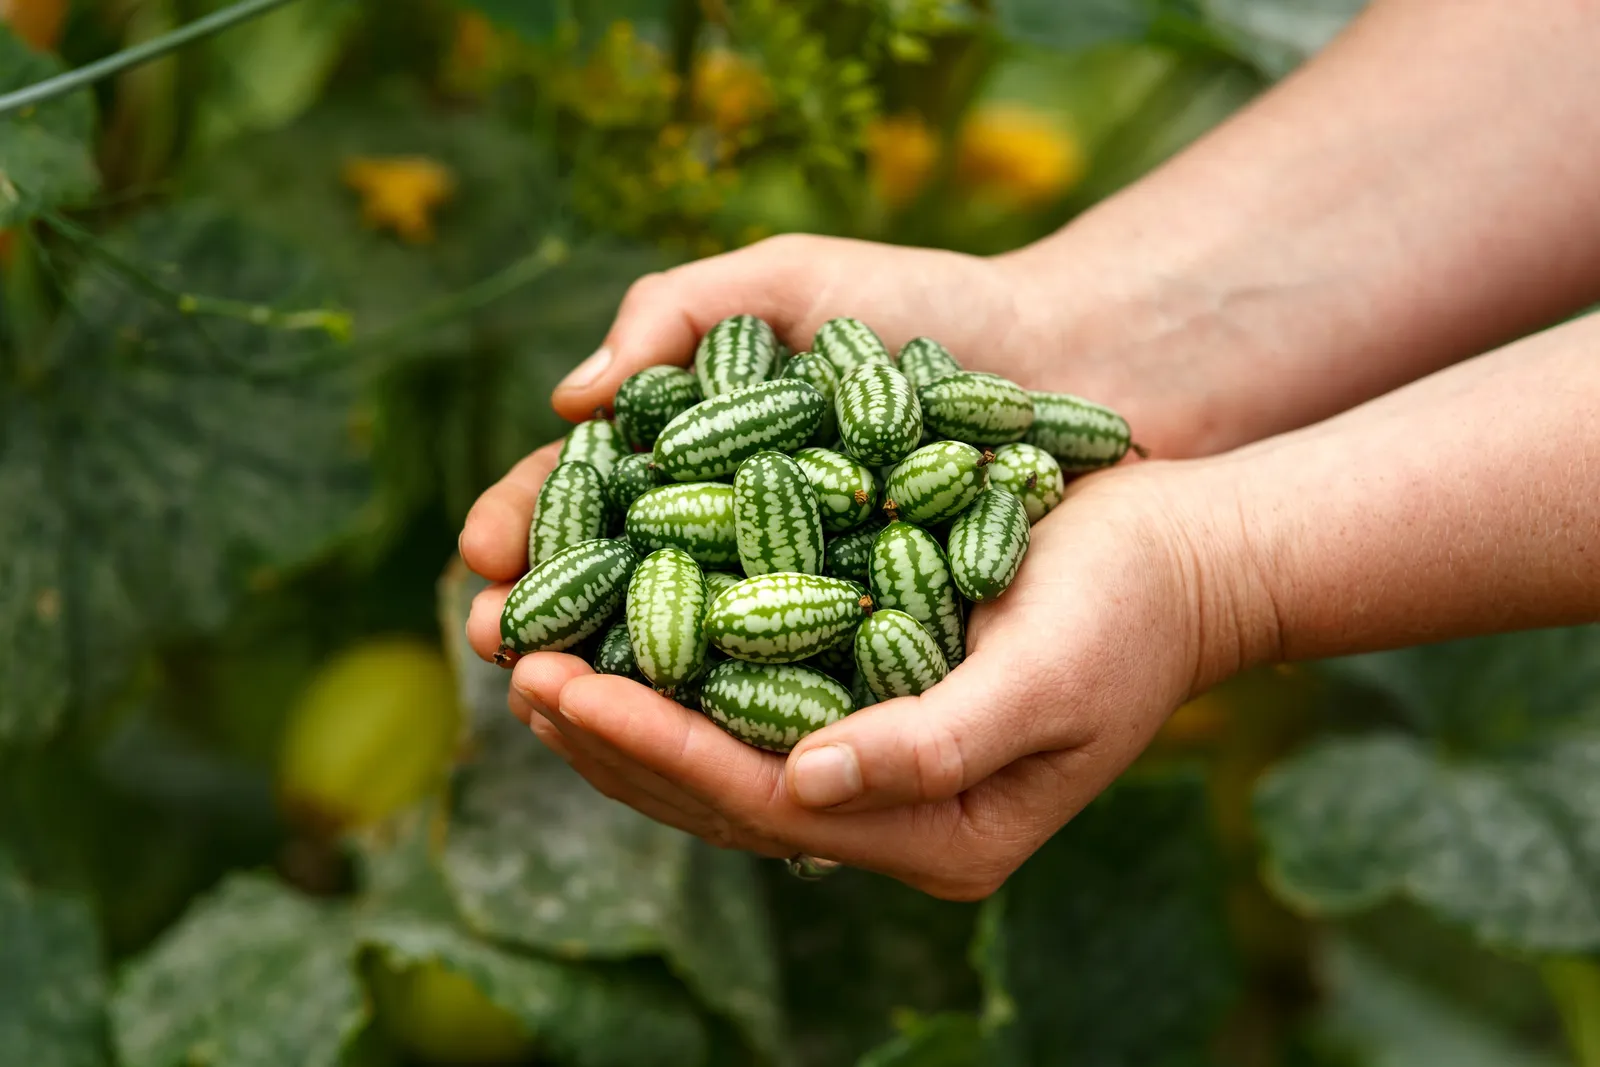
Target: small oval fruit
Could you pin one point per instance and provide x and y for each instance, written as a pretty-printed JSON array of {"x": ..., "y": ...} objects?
[
  {"x": 571, "y": 509},
  {"x": 897, "y": 656},
  {"x": 980, "y": 409},
  {"x": 712, "y": 438},
  {"x": 846, "y": 555},
  {"x": 441, "y": 1017},
  {"x": 665, "y": 610},
  {"x": 1031, "y": 474},
  {"x": 775, "y": 516},
  {"x": 880, "y": 420},
  {"x": 845, "y": 489},
  {"x": 596, "y": 443},
  {"x": 935, "y": 482},
  {"x": 908, "y": 571},
  {"x": 784, "y": 618},
  {"x": 694, "y": 516},
  {"x": 849, "y": 344},
  {"x": 615, "y": 654},
  {"x": 649, "y": 399},
  {"x": 818, "y": 373},
  {"x": 740, "y": 350},
  {"x": 924, "y": 361},
  {"x": 772, "y": 706},
  {"x": 632, "y": 477},
  {"x": 717, "y": 581},
  {"x": 1080, "y": 434},
  {"x": 987, "y": 543},
  {"x": 567, "y": 598}
]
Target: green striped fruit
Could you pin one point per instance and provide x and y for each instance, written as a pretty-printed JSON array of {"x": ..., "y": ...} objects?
[
  {"x": 820, "y": 375},
  {"x": 908, "y": 571},
  {"x": 784, "y": 618},
  {"x": 846, "y": 555},
  {"x": 736, "y": 352},
  {"x": 688, "y": 694},
  {"x": 880, "y": 420},
  {"x": 571, "y": 508},
  {"x": 717, "y": 581},
  {"x": 924, "y": 361},
  {"x": 1031, "y": 474},
  {"x": 772, "y": 706},
  {"x": 1081, "y": 435},
  {"x": 980, "y": 409},
  {"x": 631, "y": 478},
  {"x": 838, "y": 662},
  {"x": 896, "y": 656},
  {"x": 615, "y": 654},
  {"x": 647, "y": 400},
  {"x": 860, "y": 693},
  {"x": 597, "y": 443},
  {"x": 666, "y": 606},
  {"x": 987, "y": 543},
  {"x": 846, "y": 491},
  {"x": 694, "y": 516},
  {"x": 849, "y": 344},
  {"x": 715, "y": 436},
  {"x": 566, "y": 598},
  {"x": 935, "y": 482},
  {"x": 775, "y": 516}
]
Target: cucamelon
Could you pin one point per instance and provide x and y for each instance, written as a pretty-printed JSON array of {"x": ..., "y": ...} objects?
[
  {"x": 776, "y": 521},
  {"x": 712, "y": 438},
  {"x": 896, "y": 656},
  {"x": 935, "y": 482},
  {"x": 648, "y": 399},
  {"x": 818, "y": 373},
  {"x": 987, "y": 543},
  {"x": 596, "y": 443},
  {"x": 980, "y": 409},
  {"x": 566, "y": 598},
  {"x": 924, "y": 361},
  {"x": 717, "y": 581},
  {"x": 631, "y": 478},
  {"x": 845, "y": 489},
  {"x": 846, "y": 555},
  {"x": 1031, "y": 474},
  {"x": 849, "y": 344},
  {"x": 772, "y": 706},
  {"x": 571, "y": 508},
  {"x": 879, "y": 417},
  {"x": 738, "y": 351},
  {"x": 1080, "y": 434},
  {"x": 615, "y": 654},
  {"x": 784, "y": 618},
  {"x": 694, "y": 516},
  {"x": 909, "y": 572},
  {"x": 666, "y": 605}
]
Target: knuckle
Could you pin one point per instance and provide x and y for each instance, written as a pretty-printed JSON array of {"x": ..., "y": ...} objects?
[{"x": 938, "y": 762}]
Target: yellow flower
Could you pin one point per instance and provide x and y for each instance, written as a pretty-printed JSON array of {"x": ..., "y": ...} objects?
[
  {"x": 400, "y": 193},
  {"x": 729, "y": 90},
  {"x": 901, "y": 153},
  {"x": 477, "y": 55},
  {"x": 1022, "y": 156}
]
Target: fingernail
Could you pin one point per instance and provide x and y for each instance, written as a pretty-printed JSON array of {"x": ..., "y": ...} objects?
[
  {"x": 586, "y": 372},
  {"x": 826, "y": 776}
]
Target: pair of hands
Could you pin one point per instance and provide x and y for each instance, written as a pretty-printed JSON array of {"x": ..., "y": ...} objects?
[{"x": 1120, "y": 612}]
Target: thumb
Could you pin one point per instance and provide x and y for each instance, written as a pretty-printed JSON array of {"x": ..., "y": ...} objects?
[
  {"x": 663, "y": 316},
  {"x": 920, "y": 749}
]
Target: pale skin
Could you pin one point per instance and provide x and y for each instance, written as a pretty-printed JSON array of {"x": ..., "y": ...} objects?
[{"x": 1421, "y": 192}]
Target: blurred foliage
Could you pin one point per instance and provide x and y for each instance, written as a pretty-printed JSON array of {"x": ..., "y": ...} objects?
[{"x": 276, "y": 307}]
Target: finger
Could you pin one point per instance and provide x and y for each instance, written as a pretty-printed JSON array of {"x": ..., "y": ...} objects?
[
  {"x": 483, "y": 620},
  {"x": 494, "y": 539},
  {"x": 663, "y": 316}
]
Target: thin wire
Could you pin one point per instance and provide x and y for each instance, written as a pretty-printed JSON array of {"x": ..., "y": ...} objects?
[{"x": 144, "y": 52}]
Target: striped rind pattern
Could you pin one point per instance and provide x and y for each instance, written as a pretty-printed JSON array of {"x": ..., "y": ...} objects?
[
  {"x": 848, "y": 344},
  {"x": 772, "y": 706},
  {"x": 845, "y": 489},
  {"x": 615, "y": 654},
  {"x": 896, "y": 656},
  {"x": 846, "y": 555},
  {"x": 880, "y": 420},
  {"x": 837, "y": 662},
  {"x": 776, "y": 521},
  {"x": 717, "y": 581},
  {"x": 783, "y": 617},
  {"x": 818, "y": 373},
  {"x": 631, "y": 478},
  {"x": 597, "y": 443},
  {"x": 1080, "y": 434},
  {"x": 648, "y": 399},
  {"x": 666, "y": 605},
  {"x": 935, "y": 482},
  {"x": 738, "y": 351},
  {"x": 1029, "y": 473},
  {"x": 568, "y": 597},
  {"x": 712, "y": 438},
  {"x": 694, "y": 516},
  {"x": 571, "y": 508},
  {"x": 924, "y": 361},
  {"x": 908, "y": 571},
  {"x": 980, "y": 409},
  {"x": 987, "y": 543}
]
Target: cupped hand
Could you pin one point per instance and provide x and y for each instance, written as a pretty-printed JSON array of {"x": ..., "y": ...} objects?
[{"x": 1121, "y": 610}]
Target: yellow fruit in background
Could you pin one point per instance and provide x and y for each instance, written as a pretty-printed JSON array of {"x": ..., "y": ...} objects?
[
  {"x": 1017, "y": 154},
  {"x": 441, "y": 1017},
  {"x": 36, "y": 21},
  {"x": 374, "y": 731},
  {"x": 400, "y": 193},
  {"x": 729, "y": 89},
  {"x": 901, "y": 153}
]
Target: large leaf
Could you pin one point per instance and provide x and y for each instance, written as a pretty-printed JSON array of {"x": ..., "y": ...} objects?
[
  {"x": 253, "y": 976},
  {"x": 154, "y": 462},
  {"x": 1490, "y": 818},
  {"x": 1108, "y": 948},
  {"x": 45, "y": 159},
  {"x": 1279, "y": 35},
  {"x": 52, "y": 991},
  {"x": 953, "y": 1039}
]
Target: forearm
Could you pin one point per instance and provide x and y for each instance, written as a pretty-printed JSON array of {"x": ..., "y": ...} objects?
[
  {"x": 1420, "y": 192},
  {"x": 1466, "y": 503}
]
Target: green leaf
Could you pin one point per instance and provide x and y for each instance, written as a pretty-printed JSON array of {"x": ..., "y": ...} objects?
[
  {"x": 151, "y": 463},
  {"x": 252, "y": 976},
  {"x": 45, "y": 157},
  {"x": 1279, "y": 35},
  {"x": 1108, "y": 947},
  {"x": 52, "y": 991},
  {"x": 1087, "y": 23},
  {"x": 953, "y": 1039}
]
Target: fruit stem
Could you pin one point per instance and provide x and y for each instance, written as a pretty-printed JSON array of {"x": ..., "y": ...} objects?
[
  {"x": 1033, "y": 480},
  {"x": 503, "y": 656},
  {"x": 986, "y": 459},
  {"x": 865, "y": 603},
  {"x": 1139, "y": 450}
]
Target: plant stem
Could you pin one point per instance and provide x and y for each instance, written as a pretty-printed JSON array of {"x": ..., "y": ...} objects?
[
  {"x": 117, "y": 62},
  {"x": 1574, "y": 984}
]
